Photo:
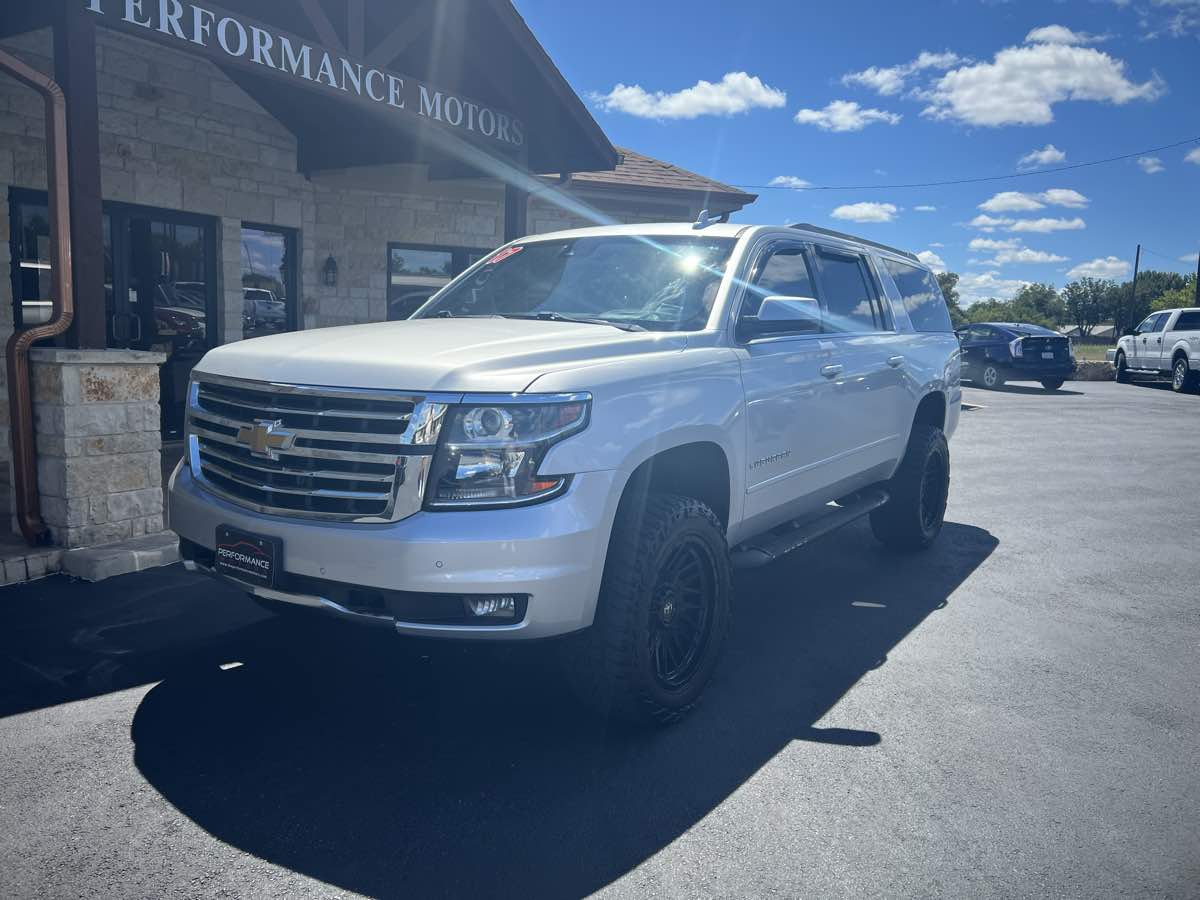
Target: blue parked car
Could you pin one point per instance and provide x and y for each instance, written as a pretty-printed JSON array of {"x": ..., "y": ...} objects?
[{"x": 996, "y": 352}]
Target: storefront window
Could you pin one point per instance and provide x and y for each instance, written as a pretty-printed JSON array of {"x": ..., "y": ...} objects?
[
  {"x": 32, "y": 286},
  {"x": 417, "y": 271},
  {"x": 268, "y": 281}
]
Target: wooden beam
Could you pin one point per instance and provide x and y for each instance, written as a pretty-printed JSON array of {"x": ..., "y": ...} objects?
[
  {"x": 75, "y": 72},
  {"x": 324, "y": 28},
  {"x": 516, "y": 212},
  {"x": 355, "y": 28},
  {"x": 412, "y": 29}
]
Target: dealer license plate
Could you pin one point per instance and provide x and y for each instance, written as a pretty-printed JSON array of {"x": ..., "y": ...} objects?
[{"x": 249, "y": 558}]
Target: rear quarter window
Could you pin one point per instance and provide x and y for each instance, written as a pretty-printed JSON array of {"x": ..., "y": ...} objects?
[
  {"x": 921, "y": 295},
  {"x": 1188, "y": 321}
]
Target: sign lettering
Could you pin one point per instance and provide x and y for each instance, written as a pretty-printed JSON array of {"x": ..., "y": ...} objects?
[{"x": 291, "y": 56}]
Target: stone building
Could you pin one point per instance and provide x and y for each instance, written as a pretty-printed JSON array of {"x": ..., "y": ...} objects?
[{"x": 274, "y": 166}]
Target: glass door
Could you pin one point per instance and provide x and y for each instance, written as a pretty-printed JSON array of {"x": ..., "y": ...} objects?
[{"x": 164, "y": 298}]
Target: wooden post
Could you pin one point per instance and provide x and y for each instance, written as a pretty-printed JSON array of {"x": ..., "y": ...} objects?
[
  {"x": 75, "y": 72},
  {"x": 1137, "y": 264},
  {"x": 516, "y": 212}
]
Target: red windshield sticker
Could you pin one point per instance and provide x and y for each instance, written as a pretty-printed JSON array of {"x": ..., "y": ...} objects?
[{"x": 504, "y": 254}]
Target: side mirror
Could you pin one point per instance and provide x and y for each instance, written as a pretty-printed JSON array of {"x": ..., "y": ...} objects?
[{"x": 779, "y": 314}]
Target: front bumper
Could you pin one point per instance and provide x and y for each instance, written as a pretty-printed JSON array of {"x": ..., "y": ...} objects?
[{"x": 552, "y": 552}]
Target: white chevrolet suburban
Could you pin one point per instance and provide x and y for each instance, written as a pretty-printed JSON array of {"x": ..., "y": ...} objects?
[
  {"x": 581, "y": 435},
  {"x": 1166, "y": 344}
]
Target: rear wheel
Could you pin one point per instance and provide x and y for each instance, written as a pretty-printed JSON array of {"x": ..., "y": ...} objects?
[
  {"x": 1122, "y": 367},
  {"x": 1183, "y": 379},
  {"x": 1052, "y": 384},
  {"x": 916, "y": 508},
  {"x": 663, "y": 612},
  {"x": 991, "y": 377}
]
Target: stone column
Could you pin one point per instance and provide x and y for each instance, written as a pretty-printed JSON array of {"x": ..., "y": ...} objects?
[{"x": 99, "y": 445}]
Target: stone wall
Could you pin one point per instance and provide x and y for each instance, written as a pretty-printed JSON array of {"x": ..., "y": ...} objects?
[{"x": 98, "y": 444}]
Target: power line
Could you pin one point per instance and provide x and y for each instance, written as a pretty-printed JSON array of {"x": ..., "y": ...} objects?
[
  {"x": 977, "y": 180},
  {"x": 1173, "y": 259}
]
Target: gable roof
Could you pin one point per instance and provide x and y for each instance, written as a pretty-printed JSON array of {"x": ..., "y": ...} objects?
[{"x": 637, "y": 170}]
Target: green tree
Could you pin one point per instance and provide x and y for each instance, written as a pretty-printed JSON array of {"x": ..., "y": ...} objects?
[
  {"x": 1177, "y": 297},
  {"x": 1040, "y": 304},
  {"x": 948, "y": 282},
  {"x": 1128, "y": 310},
  {"x": 1088, "y": 302}
]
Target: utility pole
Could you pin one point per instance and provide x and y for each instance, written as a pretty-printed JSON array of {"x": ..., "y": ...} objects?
[
  {"x": 1137, "y": 262},
  {"x": 1197, "y": 284}
]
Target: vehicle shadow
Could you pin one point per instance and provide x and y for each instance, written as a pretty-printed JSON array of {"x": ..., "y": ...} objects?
[
  {"x": 1010, "y": 388},
  {"x": 463, "y": 770}
]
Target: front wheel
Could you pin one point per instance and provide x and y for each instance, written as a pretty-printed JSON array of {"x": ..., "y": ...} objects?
[
  {"x": 1052, "y": 384},
  {"x": 917, "y": 494},
  {"x": 663, "y": 612},
  {"x": 1182, "y": 377},
  {"x": 1122, "y": 367},
  {"x": 991, "y": 377}
]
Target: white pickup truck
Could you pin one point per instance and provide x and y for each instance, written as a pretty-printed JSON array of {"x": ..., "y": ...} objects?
[
  {"x": 581, "y": 435},
  {"x": 1166, "y": 344}
]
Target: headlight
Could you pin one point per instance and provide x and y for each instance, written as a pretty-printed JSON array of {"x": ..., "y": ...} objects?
[{"x": 489, "y": 453}]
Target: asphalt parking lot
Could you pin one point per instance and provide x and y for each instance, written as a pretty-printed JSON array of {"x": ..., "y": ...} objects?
[{"x": 1014, "y": 713}]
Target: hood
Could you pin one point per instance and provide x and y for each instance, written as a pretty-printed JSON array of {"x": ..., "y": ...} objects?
[{"x": 452, "y": 355}]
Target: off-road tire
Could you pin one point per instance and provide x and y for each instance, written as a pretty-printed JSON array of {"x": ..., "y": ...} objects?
[
  {"x": 610, "y": 665},
  {"x": 1183, "y": 379},
  {"x": 993, "y": 382},
  {"x": 1122, "y": 367},
  {"x": 912, "y": 518},
  {"x": 1052, "y": 384}
]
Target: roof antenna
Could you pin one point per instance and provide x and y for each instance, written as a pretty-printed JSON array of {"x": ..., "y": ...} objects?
[{"x": 704, "y": 220}]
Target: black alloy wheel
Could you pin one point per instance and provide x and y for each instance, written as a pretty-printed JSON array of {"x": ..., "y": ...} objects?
[
  {"x": 681, "y": 613},
  {"x": 1122, "y": 366}
]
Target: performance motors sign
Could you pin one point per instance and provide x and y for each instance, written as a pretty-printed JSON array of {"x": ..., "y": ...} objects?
[{"x": 218, "y": 33}]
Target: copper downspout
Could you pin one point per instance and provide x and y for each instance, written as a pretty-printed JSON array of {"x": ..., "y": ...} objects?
[{"x": 20, "y": 402}]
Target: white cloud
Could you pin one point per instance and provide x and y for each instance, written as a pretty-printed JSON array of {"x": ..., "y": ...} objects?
[
  {"x": 932, "y": 260},
  {"x": 924, "y": 207},
  {"x": 1060, "y": 34},
  {"x": 937, "y": 244},
  {"x": 1193, "y": 156},
  {"x": 1151, "y": 165},
  {"x": 1105, "y": 267},
  {"x": 844, "y": 115},
  {"x": 992, "y": 244},
  {"x": 737, "y": 92},
  {"x": 1015, "y": 201},
  {"x": 1064, "y": 197},
  {"x": 989, "y": 223},
  {"x": 973, "y": 287},
  {"x": 1047, "y": 156},
  {"x": 1101, "y": 268},
  {"x": 1189, "y": 258},
  {"x": 865, "y": 212},
  {"x": 1025, "y": 255},
  {"x": 1044, "y": 226},
  {"x": 890, "y": 80},
  {"x": 1022, "y": 84},
  {"x": 1172, "y": 18},
  {"x": 1011, "y": 201},
  {"x": 790, "y": 181}
]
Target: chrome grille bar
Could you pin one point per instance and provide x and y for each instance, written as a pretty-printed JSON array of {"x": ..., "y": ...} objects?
[{"x": 315, "y": 452}]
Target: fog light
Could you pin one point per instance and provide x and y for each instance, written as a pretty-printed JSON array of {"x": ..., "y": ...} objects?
[{"x": 500, "y": 607}]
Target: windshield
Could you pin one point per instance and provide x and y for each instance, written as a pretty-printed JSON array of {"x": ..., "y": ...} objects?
[{"x": 655, "y": 283}]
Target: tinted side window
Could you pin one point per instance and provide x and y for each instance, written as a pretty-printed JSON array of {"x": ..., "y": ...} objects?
[
  {"x": 1161, "y": 324},
  {"x": 1188, "y": 321},
  {"x": 846, "y": 295},
  {"x": 1148, "y": 324},
  {"x": 784, "y": 272},
  {"x": 922, "y": 296}
]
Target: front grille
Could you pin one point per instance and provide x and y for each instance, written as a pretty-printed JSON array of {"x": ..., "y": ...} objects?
[{"x": 305, "y": 451}]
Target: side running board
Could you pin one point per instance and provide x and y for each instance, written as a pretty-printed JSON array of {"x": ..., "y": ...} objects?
[{"x": 768, "y": 547}]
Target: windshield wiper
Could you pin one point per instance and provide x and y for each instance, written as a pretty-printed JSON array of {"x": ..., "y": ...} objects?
[{"x": 582, "y": 320}]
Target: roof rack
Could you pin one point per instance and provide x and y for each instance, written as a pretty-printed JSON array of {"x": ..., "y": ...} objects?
[
  {"x": 803, "y": 226},
  {"x": 704, "y": 219}
]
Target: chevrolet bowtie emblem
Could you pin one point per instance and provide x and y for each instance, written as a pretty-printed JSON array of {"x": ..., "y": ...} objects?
[{"x": 266, "y": 438}]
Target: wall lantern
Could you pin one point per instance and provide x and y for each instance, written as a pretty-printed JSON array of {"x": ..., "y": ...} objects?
[{"x": 330, "y": 272}]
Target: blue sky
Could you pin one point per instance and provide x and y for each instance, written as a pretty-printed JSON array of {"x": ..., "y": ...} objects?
[{"x": 880, "y": 94}]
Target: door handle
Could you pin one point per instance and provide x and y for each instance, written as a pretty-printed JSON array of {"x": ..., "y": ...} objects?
[
  {"x": 895, "y": 361},
  {"x": 1158, "y": 340},
  {"x": 831, "y": 371}
]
